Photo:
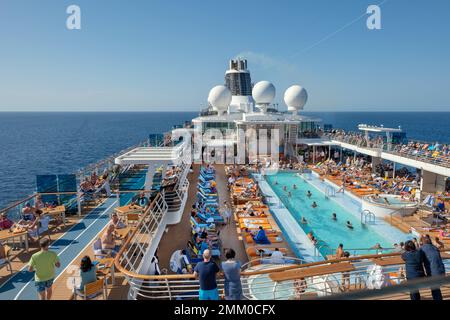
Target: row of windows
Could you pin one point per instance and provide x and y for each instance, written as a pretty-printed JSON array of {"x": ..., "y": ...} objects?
[
  {"x": 239, "y": 84},
  {"x": 222, "y": 126}
]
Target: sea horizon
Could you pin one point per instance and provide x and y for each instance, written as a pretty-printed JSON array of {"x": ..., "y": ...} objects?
[{"x": 194, "y": 111}]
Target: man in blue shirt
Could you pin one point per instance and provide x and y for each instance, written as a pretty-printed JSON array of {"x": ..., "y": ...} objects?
[
  {"x": 261, "y": 237},
  {"x": 141, "y": 200},
  {"x": 440, "y": 206},
  {"x": 206, "y": 272},
  {"x": 433, "y": 264}
]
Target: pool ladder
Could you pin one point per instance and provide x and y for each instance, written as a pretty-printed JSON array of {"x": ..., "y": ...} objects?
[
  {"x": 330, "y": 191},
  {"x": 367, "y": 217},
  {"x": 321, "y": 245}
]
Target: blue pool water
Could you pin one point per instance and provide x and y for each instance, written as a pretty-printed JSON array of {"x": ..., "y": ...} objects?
[{"x": 319, "y": 219}]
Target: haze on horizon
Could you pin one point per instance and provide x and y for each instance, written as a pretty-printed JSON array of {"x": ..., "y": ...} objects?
[{"x": 166, "y": 56}]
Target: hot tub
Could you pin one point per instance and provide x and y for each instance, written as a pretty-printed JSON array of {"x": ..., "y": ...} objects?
[{"x": 386, "y": 204}]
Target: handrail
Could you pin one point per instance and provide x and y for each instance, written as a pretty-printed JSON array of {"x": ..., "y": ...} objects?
[
  {"x": 133, "y": 233},
  {"x": 246, "y": 273},
  {"x": 408, "y": 286},
  {"x": 18, "y": 203}
]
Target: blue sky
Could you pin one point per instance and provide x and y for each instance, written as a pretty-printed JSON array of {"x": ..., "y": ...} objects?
[{"x": 165, "y": 55}]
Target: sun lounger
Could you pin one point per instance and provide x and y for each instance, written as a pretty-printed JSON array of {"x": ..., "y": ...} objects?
[
  {"x": 275, "y": 238},
  {"x": 257, "y": 251}
]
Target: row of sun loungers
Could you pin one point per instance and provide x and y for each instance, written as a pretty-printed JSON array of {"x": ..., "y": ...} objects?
[{"x": 251, "y": 214}]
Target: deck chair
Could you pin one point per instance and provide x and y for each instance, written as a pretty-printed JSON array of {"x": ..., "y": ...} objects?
[
  {"x": 7, "y": 262},
  {"x": 132, "y": 219},
  {"x": 99, "y": 252},
  {"x": 91, "y": 290}
]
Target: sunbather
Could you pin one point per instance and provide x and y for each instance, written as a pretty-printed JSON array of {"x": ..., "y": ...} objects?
[
  {"x": 261, "y": 237},
  {"x": 117, "y": 222},
  {"x": 109, "y": 240},
  {"x": 5, "y": 222}
]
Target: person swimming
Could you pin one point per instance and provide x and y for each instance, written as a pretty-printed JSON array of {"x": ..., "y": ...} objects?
[
  {"x": 377, "y": 246},
  {"x": 289, "y": 194},
  {"x": 334, "y": 216},
  {"x": 294, "y": 187},
  {"x": 349, "y": 225},
  {"x": 284, "y": 188},
  {"x": 303, "y": 220},
  {"x": 312, "y": 238},
  {"x": 309, "y": 194},
  {"x": 314, "y": 204}
]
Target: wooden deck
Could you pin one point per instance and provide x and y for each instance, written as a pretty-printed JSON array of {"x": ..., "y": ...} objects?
[
  {"x": 175, "y": 238},
  {"x": 228, "y": 233},
  {"x": 19, "y": 258}
]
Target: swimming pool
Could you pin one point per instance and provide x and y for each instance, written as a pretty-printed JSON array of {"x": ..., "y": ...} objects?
[{"x": 329, "y": 232}]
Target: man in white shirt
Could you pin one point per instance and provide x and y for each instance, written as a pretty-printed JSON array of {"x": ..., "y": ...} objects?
[{"x": 277, "y": 257}]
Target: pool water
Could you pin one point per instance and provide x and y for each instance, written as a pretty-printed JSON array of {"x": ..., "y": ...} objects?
[
  {"x": 319, "y": 220},
  {"x": 393, "y": 200}
]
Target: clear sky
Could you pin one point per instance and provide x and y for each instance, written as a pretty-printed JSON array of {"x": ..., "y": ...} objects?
[{"x": 158, "y": 55}]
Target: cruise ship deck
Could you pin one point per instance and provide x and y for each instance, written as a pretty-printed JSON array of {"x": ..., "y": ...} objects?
[
  {"x": 154, "y": 190},
  {"x": 75, "y": 241}
]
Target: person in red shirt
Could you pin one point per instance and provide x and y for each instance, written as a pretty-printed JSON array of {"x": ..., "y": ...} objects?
[{"x": 5, "y": 223}]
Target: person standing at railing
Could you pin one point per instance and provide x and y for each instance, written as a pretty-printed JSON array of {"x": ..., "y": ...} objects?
[
  {"x": 414, "y": 265},
  {"x": 232, "y": 273},
  {"x": 206, "y": 271},
  {"x": 433, "y": 264}
]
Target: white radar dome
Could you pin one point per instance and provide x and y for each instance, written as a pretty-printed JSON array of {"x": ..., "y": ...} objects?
[
  {"x": 295, "y": 98},
  {"x": 263, "y": 92},
  {"x": 220, "y": 98}
]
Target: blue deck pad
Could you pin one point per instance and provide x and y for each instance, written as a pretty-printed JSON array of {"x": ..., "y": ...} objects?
[{"x": 21, "y": 285}]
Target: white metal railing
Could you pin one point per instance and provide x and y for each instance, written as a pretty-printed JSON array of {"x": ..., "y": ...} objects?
[
  {"x": 364, "y": 277},
  {"x": 185, "y": 286},
  {"x": 403, "y": 150},
  {"x": 129, "y": 257},
  {"x": 257, "y": 283}
]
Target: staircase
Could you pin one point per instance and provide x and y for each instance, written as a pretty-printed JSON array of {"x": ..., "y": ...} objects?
[
  {"x": 293, "y": 133},
  {"x": 291, "y": 141}
]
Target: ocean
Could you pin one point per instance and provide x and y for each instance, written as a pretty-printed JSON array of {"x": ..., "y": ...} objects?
[{"x": 59, "y": 143}]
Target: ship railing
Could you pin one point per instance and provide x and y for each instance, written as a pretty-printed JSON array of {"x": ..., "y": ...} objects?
[
  {"x": 396, "y": 149},
  {"x": 360, "y": 251},
  {"x": 182, "y": 186},
  {"x": 132, "y": 252},
  {"x": 106, "y": 163},
  {"x": 366, "y": 280},
  {"x": 14, "y": 210},
  {"x": 186, "y": 286},
  {"x": 439, "y": 160},
  {"x": 394, "y": 291},
  {"x": 178, "y": 195},
  {"x": 364, "y": 275},
  {"x": 256, "y": 282},
  {"x": 359, "y": 142}
]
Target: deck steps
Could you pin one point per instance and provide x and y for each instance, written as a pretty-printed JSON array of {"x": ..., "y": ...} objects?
[{"x": 398, "y": 223}]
